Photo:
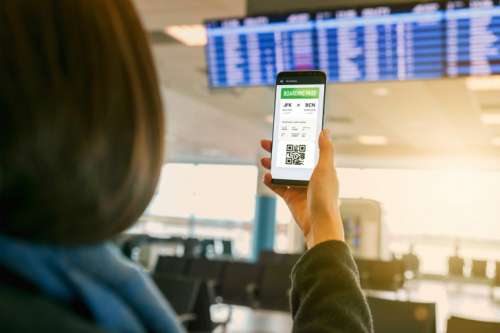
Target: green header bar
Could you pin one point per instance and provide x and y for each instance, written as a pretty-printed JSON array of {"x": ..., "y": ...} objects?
[{"x": 289, "y": 93}]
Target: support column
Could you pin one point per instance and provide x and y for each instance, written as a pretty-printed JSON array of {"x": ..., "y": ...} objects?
[{"x": 265, "y": 217}]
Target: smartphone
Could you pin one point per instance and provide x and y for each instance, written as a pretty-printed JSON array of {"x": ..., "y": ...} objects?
[{"x": 299, "y": 117}]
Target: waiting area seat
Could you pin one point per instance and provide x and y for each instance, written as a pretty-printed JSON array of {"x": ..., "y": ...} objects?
[
  {"x": 210, "y": 270},
  {"x": 239, "y": 283},
  {"x": 478, "y": 269},
  {"x": 411, "y": 263},
  {"x": 496, "y": 279},
  {"x": 190, "y": 299},
  {"x": 268, "y": 257},
  {"x": 181, "y": 293},
  {"x": 456, "y": 266},
  {"x": 227, "y": 248},
  {"x": 193, "y": 248},
  {"x": 391, "y": 316},
  {"x": 236, "y": 283},
  {"x": 274, "y": 288},
  {"x": 381, "y": 275},
  {"x": 462, "y": 325},
  {"x": 291, "y": 258},
  {"x": 172, "y": 265}
]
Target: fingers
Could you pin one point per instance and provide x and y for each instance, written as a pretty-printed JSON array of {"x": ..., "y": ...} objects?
[
  {"x": 279, "y": 190},
  {"x": 326, "y": 150},
  {"x": 266, "y": 163},
  {"x": 267, "y": 145}
]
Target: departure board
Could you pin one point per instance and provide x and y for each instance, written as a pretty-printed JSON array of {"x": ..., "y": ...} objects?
[{"x": 401, "y": 42}]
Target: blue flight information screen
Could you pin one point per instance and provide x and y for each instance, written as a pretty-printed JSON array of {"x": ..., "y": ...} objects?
[{"x": 398, "y": 42}]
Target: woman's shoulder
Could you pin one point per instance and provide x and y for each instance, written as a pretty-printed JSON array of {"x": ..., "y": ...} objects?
[{"x": 26, "y": 311}]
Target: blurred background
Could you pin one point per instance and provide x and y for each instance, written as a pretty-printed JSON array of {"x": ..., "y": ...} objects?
[{"x": 413, "y": 104}]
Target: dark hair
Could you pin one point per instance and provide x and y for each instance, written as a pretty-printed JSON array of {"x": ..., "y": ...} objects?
[{"x": 81, "y": 123}]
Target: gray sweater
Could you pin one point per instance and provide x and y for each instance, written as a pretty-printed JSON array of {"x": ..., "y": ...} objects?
[{"x": 326, "y": 294}]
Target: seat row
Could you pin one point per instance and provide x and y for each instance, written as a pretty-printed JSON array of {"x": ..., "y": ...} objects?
[
  {"x": 259, "y": 285},
  {"x": 193, "y": 284},
  {"x": 478, "y": 269}
]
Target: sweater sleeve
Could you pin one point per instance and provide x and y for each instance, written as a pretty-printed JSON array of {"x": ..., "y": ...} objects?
[{"x": 326, "y": 295}]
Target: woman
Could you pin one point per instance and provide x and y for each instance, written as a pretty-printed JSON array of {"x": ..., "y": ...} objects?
[{"x": 81, "y": 148}]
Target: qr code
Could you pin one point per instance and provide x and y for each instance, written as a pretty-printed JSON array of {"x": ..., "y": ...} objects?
[{"x": 295, "y": 154}]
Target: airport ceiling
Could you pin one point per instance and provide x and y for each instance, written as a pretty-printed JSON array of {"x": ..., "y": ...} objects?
[{"x": 427, "y": 123}]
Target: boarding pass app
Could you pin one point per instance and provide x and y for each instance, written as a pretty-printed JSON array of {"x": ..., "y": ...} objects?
[{"x": 298, "y": 121}]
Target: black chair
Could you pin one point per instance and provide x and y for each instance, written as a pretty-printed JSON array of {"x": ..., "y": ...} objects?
[
  {"x": 210, "y": 271},
  {"x": 189, "y": 298},
  {"x": 206, "y": 269},
  {"x": 397, "y": 317},
  {"x": 181, "y": 293},
  {"x": 496, "y": 280},
  {"x": 171, "y": 265},
  {"x": 203, "y": 320},
  {"x": 227, "y": 248},
  {"x": 456, "y": 266},
  {"x": 478, "y": 269},
  {"x": 274, "y": 288},
  {"x": 291, "y": 259},
  {"x": 381, "y": 275},
  {"x": 207, "y": 248},
  {"x": 239, "y": 283},
  {"x": 462, "y": 325},
  {"x": 411, "y": 263},
  {"x": 364, "y": 268},
  {"x": 269, "y": 257},
  {"x": 192, "y": 248}
]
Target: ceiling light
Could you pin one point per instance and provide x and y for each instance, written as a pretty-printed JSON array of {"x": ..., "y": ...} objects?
[
  {"x": 381, "y": 92},
  {"x": 190, "y": 35},
  {"x": 372, "y": 140},
  {"x": 496, "y": 141},
  {"x": 483, "y": 83},
  {"x": 490, "y": 118}
]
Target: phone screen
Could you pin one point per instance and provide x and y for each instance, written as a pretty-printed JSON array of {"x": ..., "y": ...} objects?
[{"x": 298, "y": 121}]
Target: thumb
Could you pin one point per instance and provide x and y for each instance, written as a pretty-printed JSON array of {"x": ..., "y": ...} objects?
[{"x": 325, "y": 150}]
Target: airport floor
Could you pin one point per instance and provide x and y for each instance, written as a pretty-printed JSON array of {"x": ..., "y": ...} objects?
[
  {"x": 472, "y": 301},
  {"x": 247, "y": 320}
]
